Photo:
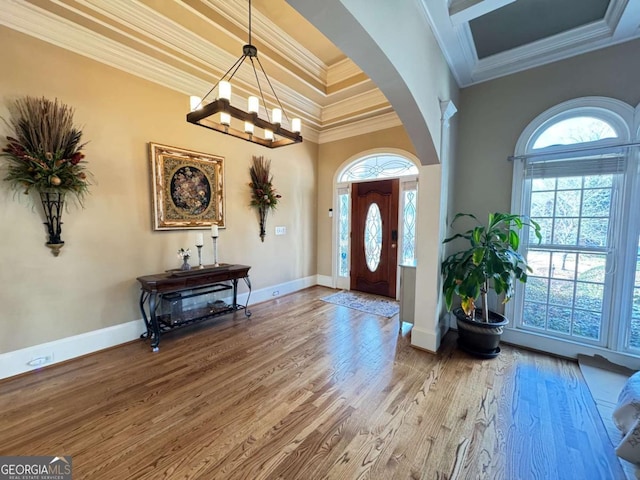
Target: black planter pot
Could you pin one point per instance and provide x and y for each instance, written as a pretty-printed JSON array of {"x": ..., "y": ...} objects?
[{"x": 477, "y": 337}]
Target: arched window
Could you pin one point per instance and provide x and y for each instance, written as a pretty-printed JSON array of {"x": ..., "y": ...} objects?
[
  {"x": 378, "y": 166},
  {"x": 574, "y": 174},
  {"x": 574, "y": 130}
]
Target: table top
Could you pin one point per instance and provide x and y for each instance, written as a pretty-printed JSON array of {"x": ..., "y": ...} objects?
[{"x": 176, "y": 280}]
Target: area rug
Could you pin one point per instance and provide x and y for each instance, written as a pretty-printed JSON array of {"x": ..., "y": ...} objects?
[{"x": 365, "y": 302}]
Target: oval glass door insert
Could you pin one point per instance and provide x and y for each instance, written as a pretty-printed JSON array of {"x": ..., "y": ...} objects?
[{"x": 373, "y": 237}]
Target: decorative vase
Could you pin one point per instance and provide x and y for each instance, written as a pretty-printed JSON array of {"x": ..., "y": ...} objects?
[
  {"x": 263, "y": 222},
  {"x": 185, "y": 263},
  {"x": 52, "y": 203}
]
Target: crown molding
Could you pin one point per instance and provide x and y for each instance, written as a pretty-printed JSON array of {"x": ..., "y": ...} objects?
[
  {"x": 341, "y": 71},
  {"x": 270, "y": 34},
  {"x": 565, "y": 45},
  {"x": 360, "y": 127},
  {"x": 64, "y": 33},
  {"x": 367, "y": 101},
  {"x": 454, "y": 37},
  {"x": 78, "y": 39},
  {"x": 462, "y": 11},
  {"x": 58, "y": 31}
]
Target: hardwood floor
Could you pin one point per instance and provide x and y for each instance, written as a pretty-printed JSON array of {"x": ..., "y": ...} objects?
[{"x": 308, "y": 390}]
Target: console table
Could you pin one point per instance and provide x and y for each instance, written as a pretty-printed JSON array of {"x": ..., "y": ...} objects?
[{"x": 174, "y": 287}]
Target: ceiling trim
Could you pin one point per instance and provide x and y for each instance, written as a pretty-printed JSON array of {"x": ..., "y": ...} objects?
[
  {"x": 142, "y": 26},
  {"x": 341, "y": 71},
  {"x": 63, "y": 33},
  {"x": 462, "y": 11},
  {"x": 270, "y": 34},
  {"x": 454, "y": 37},
  {"x": 360, "y": 127},
  {"x": 366, "y": 101},
  {"x": 563, "y": 45}
]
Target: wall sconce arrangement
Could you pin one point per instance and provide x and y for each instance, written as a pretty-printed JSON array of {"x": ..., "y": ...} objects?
[
  {"x": 44, "y": 153},
  {"x": 219, "y": 115},
  {"x": 263, "y": 194}
]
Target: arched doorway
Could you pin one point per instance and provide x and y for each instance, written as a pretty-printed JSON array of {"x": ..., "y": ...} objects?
[{"x": 365, "y": 170}]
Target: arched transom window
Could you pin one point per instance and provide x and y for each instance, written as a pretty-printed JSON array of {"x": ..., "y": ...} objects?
[{"x": 378, "y": 166}]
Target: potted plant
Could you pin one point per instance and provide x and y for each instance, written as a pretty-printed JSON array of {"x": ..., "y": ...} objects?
[{"x": 490, "y": 261}]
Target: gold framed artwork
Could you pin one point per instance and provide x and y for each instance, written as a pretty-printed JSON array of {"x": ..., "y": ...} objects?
[{"x": 188, "y": 188}]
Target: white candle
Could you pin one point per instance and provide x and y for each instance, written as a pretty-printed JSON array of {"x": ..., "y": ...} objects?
[
  {"x": 276, "y": 115},
  {"x": 253, "y": 104},
  {"x": 224, "y": 90},
  {"x": 199, "y": 239},
  {"x": 214, "y": 230}
]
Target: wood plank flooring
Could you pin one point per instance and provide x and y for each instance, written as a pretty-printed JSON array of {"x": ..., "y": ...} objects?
[{"x": 308, "y": 390}]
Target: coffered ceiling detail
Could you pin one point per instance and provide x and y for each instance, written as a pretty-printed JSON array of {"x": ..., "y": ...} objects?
[
  {"x": 187, "y": 45},
  {"x": 486, "y": 39}
]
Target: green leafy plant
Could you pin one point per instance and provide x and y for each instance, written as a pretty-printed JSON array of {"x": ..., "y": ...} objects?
[
  {"x": 491, "y": 260},
  {"x": 44, "y": 149}
]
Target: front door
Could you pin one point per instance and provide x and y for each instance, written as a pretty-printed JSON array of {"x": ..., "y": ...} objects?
[{"x": 374, "y": 237}]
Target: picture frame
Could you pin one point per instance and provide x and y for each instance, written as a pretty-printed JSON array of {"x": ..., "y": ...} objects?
[{"x": 187, "y": 188}]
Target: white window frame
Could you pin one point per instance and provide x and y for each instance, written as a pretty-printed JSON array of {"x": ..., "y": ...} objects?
[{"x": 626, "y": 121}]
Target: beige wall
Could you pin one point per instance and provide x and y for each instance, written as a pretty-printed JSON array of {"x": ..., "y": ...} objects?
[
  {"x": 108, "y": 244},
  {"x": 332, "y": 156},
  {"x": 494, "y": 114}
]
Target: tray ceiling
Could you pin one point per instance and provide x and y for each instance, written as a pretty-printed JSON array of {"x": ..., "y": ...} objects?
[
  {"x": 188, "y": 45},
  {"x": 486, "y": 39}
]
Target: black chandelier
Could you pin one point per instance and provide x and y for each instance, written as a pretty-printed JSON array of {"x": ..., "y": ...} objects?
[{"x": 219, "y": 115}]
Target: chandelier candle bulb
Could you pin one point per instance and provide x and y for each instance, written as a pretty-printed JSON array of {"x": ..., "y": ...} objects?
[
  {"x": 276, "y": 116},
  {"x": 253, "y": 104},
  {"x": 224, "y": 90},
  {"x": 195, "y": 103},
  {"x": 296, "y": 125},
  {"x": 268, "y": 134},
  {"x": 248, "y": 127},
  {"x": 214, "y": 230},
  {"x": 225, "y": 118},
  {"x": 199, "y": 239}
]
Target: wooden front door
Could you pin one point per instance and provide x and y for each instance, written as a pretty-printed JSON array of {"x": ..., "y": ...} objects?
[{"x": 374, "y": 236}]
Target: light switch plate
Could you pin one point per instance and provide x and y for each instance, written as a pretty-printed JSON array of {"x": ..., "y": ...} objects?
[{"x": 281, "y": 230}]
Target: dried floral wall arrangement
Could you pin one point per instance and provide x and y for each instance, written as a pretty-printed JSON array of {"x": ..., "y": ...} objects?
[
  {"x": 44, "y": 154},
  {"x": 263, "y": 194}
]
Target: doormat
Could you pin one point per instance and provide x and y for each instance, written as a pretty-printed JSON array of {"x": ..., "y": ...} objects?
[{"x": 365, "y": 302}]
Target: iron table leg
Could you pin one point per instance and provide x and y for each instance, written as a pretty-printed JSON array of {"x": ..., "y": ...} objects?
[{"x": 155, "y": 339}]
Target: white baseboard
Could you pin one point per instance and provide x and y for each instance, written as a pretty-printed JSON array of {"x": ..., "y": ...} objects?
[
  {"x": 425, "y": 339},
  {"x": 268, "y": 293},
  {"x": 21, "y": 361},
  {"x": 325, "y": 281}
]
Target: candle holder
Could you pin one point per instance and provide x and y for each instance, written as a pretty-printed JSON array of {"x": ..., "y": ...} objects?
[
  {"x": 215, "y": 251},
  {"x": 199, "y": 247}
]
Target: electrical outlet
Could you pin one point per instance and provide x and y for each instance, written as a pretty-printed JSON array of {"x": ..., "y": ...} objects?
[
  {"x": 275, "y": 293},
  {"x": 281, "y": 230},
  {"x": 40, "y": 360}
]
